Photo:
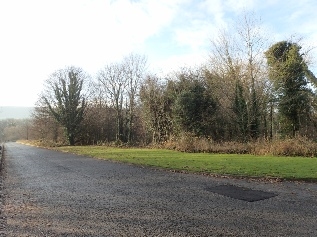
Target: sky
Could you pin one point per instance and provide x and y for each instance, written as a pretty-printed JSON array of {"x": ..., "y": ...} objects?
[{"x": 38, "y": 37}]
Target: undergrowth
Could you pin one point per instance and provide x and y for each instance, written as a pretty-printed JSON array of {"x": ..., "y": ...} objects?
[{"x": 299, "y": 146}]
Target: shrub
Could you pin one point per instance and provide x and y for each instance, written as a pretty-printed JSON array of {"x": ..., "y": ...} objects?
[
  {"x": 299, "y": 146},
  {"x": 189, "y": 143}
]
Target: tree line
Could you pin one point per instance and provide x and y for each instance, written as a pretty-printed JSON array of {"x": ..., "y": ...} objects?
[{"x": 247, "y": 90}]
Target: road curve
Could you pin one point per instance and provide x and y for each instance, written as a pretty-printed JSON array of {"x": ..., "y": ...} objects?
[{"x": 49, "y": 193}]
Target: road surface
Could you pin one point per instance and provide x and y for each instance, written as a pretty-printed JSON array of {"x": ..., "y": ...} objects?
[{"x": 49, "y": 193}]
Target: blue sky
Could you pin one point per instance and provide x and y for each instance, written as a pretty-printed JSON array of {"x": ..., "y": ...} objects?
[{"x": 40, "y": 36}]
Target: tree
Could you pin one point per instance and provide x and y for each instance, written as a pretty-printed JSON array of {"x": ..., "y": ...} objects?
[
  {"x": 252, "y": 45},
  {"x": 99, "y": 124},
  {"x": 120, "y": 83},
  {"x": 289, "y": 72},
  {"x": 44, "y": 125},
  {"x": 237, "y": 72},
  {"x": 227, "y": 76},
  {"x": 240, "y": 109},
  {"x": 134, "y": 67},
  {"x": 156, "y": 108},
  {"x": 66, "y": 101},
  {"x": 14, "y": 129},
  {"x": 194, "y": 107},
  {"x": 113, "y": 83}
]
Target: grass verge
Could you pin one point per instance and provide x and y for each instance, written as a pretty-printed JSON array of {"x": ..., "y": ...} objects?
[{"x": 246, "y": 165}]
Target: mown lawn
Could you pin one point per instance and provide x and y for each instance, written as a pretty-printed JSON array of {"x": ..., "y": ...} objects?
[{"x": 290, "y": 168}]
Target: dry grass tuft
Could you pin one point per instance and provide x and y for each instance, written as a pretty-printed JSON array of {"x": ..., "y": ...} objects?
[
  {"x": 299, "y": 146},
  {"x": 42, "y": 143},
  {"x": 188, "y": 143}
]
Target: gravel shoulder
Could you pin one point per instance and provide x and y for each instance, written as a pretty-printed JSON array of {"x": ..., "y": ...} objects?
[{"x": 48, "y": 193}]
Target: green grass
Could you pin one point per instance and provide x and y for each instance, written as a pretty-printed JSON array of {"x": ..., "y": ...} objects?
[{"x": 290, "y": 168}]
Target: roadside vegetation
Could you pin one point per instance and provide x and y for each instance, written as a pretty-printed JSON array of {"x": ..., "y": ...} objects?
[
  {"x": 253, "y": 99},
  {"x": 267, "y": 167},
  {"x": 270, "y": 167}
]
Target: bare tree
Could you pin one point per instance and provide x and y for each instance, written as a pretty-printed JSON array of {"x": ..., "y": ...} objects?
[
  {"x": 238, "y": 72},
  {"x": 134, "y": 67},
  {"x": 113, "y": 82},
  {"x": 226, "y": 77},
  {"x": 253, "y": 44},
  {"x": 121, "y": 82},
  {"x": 44, "y": 125}
]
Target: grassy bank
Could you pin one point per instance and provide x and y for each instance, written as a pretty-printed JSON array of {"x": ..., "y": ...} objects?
[{"x": 290, "y": 168}]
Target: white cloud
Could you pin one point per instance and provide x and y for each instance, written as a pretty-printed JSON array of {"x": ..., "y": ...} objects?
[
  {"x": 137, "y": 21},
  {"x": 197, "y": 35},
  {"x": 176, "y": 62}
]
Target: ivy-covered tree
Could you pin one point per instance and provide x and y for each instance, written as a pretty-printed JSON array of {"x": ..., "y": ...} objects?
[
  {"x": 241, "y": 112},
  {"x": 65, "y": 100},
  {"x": 237, "y": 73},
  {"x": 156, "y": 107},
  {"x": 289, "y": 72},
  {"x": 193, "y": 108}
]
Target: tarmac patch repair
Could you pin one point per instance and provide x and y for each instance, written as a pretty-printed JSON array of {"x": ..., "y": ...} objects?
[{"x": 241, "y": 193}]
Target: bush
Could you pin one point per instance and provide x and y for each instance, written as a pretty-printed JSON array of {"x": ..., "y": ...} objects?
[
  {"x": 189, "y": 143},
  {"x": 299, "y": 146}
]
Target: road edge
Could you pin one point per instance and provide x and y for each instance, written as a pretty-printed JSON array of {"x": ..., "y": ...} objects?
[{"x": 3, "y": 221}]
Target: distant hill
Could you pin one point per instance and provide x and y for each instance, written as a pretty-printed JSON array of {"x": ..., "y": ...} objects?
[{"x": 15, "y": 112}]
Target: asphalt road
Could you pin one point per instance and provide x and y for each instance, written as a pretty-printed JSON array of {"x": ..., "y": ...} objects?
[{"x": 48, "y": 193}]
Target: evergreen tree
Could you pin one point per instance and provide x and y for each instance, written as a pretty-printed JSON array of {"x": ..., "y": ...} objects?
[
  {"x": 241, "y": 112},
  {"x": 65, "y": 100},
  {"x": 288, "y": 71},
  {"x": 194, "y": 109}
]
